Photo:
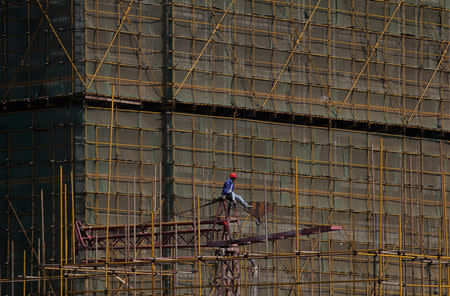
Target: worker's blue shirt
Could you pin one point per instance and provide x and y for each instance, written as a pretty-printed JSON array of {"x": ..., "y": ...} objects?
[{"x": 228, "y": 187}]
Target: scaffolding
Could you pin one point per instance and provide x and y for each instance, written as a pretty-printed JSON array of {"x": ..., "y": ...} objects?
[
  {"x": 376, "y": 61},
  {"x": 391, "y": 207},
  {"x": 380, "y": 61},
  {"x": 116, "y": 195}
]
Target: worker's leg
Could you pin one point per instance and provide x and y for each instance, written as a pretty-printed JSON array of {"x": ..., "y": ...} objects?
[
  {"x": 240, "y": 200},
  {"x": 230, "y": 197}
]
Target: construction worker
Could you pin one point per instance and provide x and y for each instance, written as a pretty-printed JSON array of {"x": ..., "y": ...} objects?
[{"x": 228, "y": 191}]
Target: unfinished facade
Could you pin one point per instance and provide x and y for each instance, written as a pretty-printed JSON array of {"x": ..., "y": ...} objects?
[{"x": 121, "y": 120}]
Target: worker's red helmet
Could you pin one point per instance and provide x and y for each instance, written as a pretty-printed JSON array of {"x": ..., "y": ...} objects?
[{"x": 233, "y": 176}]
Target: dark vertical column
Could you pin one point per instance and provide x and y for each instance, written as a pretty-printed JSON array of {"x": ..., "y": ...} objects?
[
  {"x": 4, "y": 48},
  {"x": 167, "y": 36},
  {"x": 78, "y": 31},
  {"x": 4, "y": 219},
  {"x": 168, "y": 103},
  {"x": 78, "y": 157}
]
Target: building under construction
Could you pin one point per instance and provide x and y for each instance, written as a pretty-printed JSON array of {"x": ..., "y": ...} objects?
[{"x": 121, "y": 120}]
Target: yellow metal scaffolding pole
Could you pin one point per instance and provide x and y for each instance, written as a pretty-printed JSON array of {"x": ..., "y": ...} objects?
[
  {"x": 199, "y": 250},
  {"x": 65, "y": 234},
  {"x": 42, "y": 259},
  {"x": 24, "y": 271},
  {"x": 381, "y": 218},
  {"x": 61, "y": 230},
  {"x": 153, "y": 252},
  {"x": 65, "y": 224},
  {"x": 446, "y": 229},
  {"x": 440, "y": 261},
  {"x": 400, "y": 245},
  {"x": 73, "y": 218},
  {"x": 297, "y": 228},
  {"x": 109, "y": 191},
  {"x": 444, "y": 205}
]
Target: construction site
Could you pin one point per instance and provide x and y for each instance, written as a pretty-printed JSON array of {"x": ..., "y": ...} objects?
[{"x": 120, "y": 122}]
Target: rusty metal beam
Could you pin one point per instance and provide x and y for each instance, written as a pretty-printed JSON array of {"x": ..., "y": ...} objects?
[{"x": 272, "y": 237}]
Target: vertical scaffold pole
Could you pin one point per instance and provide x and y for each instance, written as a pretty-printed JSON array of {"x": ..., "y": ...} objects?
[
  {"x": 153, "y": 252},
  {"x": 24, "y": 271},
  {"x": 127, "y": 241},
  {"x": 65, "y": 224},
  {"x": 296, "y": 227},
  {"x": 160, "y": 221},
  {"x": 39, "y": 269},
  {"x": 43, "y": 239},
  {"x": 153, "y": 229},
  {"x": 73, "y": 217},
  {"x": 175, "y": 291},
  {"x": 381, "y": 220},
  {"x": 440, "y": 262},
  {"x": 199, "y": 248},
  {"x": 12, "y": 268},
  {"x": 65, "y": 234},
  {"x": 400, "y": 269},
  {"x": 265, "y": 212},
  {"x": 134, "y": 215},
  {"x": 109, "y": 191},
  {"x": 61, "y": 231},
  {"x": 444, "y": 206},
  {"x": 265, "y": 230},
  {"x": 134, "y": 227}
]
